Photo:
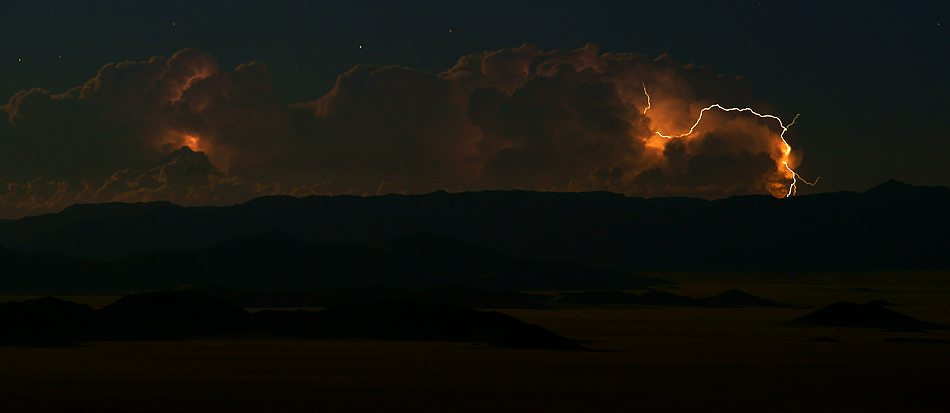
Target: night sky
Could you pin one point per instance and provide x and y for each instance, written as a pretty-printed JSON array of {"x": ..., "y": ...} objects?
[{"x": 870, "y": 83}]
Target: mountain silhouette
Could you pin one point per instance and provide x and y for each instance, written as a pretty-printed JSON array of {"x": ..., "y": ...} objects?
[
  {"x": 823, "y": 339},
  {"x": 731, "y": 298},
  {"x": 21, "y": 230},
  {"x": 47, "y": 274},
  {"x": 177, "y": 314},
  {"x": 42, "y": 321},
  {"x": 273, "y": 262},
  {"x": 845, "y": 314},
  {"x": 450, "y": 260},
  {"x": 167, "y": 315},
  {"x": 890, "y": 227},
  {"x": 742, "y": 298},
  {"x": 666, "y": 298},
  {"x": 454, "y": 294},
  {"x": 597, "y": 298},
  {"x": 407, "y": 320},
  {"x": 267, "y": 262},
  {"x": 884, "y": 303},
  {"x": 915, "y": 340}
]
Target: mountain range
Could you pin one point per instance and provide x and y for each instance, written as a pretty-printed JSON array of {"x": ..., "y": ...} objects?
[
  {"x": 729, "y": 299},
  {"x": 467, "y": 297},
  {"x": 496, "y": 240},
  {"x": 275, "y": 262}
]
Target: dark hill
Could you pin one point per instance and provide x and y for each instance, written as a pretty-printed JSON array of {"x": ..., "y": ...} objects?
[
  {"x": 844, "y": 314},
  {"x": 27, "y": 228},
  {"x": 406, "y": 320},
  {"x": 265, "y": 262},
  {"x": 666, "y": 298},
  {"x": 443, "y": 248},
  {"x": 529, "y": 275},
  {"x": 597, "y": 298},
  {"x": 462, "y": 296},
  {"x": 168, "y": 315},
  {"x": 727, "y": 299},
  {"x": 42, "y": 321},
  {"x": 174, "y": 305},
  {"x": 173, "y": 315},
  {"x": 274, "y": 261},
  {"x": 823, "y": 339},
  {"x": 742, "y": 298},
  {"x": 452, "y": 294},
  {"x": 450, "y": 260},
  {"x": 24, "y": 274},
  {"x": 915, "y": 340},
  {"x": 890, "y": 227}
]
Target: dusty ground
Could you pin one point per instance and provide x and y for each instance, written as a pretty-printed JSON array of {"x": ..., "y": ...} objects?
[{"x": 653, "y": 359}]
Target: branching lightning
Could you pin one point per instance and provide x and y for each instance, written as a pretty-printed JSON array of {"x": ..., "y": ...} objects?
[{"x": 793, "y": 187}]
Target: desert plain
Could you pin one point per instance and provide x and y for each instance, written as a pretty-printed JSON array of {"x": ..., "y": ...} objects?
[{"x": 642, "y": 358}]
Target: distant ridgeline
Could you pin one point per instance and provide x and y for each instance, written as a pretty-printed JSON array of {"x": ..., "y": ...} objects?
[
  {"x": 276, "y": 262},
  {"x": 891, "y": 227}
]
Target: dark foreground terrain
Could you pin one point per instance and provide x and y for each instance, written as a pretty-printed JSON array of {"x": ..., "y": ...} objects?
[
  {"x": 652, "y": 358},
  {"x": 180, "y": 314}
]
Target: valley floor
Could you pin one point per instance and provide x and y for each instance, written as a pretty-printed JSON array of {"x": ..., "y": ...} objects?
[{"x": 651, "y": 359}]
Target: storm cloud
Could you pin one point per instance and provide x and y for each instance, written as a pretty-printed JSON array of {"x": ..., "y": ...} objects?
[{"x": 184, "y": 130}]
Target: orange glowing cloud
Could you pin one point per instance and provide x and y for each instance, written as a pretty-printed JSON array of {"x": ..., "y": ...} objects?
[
  {"x": 781, "y": 150},
  {"x": 561, "y": 120},
  {"x": 192, "y": 142}
]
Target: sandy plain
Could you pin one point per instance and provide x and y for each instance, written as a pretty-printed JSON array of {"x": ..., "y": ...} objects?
[{"x": 647, "y": 359}]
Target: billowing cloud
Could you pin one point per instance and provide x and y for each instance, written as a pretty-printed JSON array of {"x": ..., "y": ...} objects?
[
  {"x": 184, "y": 130},
  {"x": 184, "y": 177}
]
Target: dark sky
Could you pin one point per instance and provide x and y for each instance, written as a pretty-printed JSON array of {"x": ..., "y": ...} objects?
[{"x": 870, "y": 83}]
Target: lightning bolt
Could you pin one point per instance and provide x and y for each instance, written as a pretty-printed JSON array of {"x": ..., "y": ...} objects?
[
  {"x": 793, "y": 187},
  {"x": 646, "y": 92}
]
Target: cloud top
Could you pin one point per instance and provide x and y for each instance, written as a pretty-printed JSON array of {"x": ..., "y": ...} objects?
[{"x": 184, "y": 130}]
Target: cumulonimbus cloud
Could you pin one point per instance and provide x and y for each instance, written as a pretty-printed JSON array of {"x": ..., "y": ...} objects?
[{"x": 183, "y": 130}]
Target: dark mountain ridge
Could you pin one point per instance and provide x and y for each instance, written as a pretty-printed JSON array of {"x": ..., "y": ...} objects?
[
  {"x": 47, "y": 274},
  {"x": 890, "y": 227},
  {"x": 742, "y": 298},
  {"x": 472, "y": 298},
  {"x": 455, "y": 294},
  {"x": 273, "y": 262}
]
